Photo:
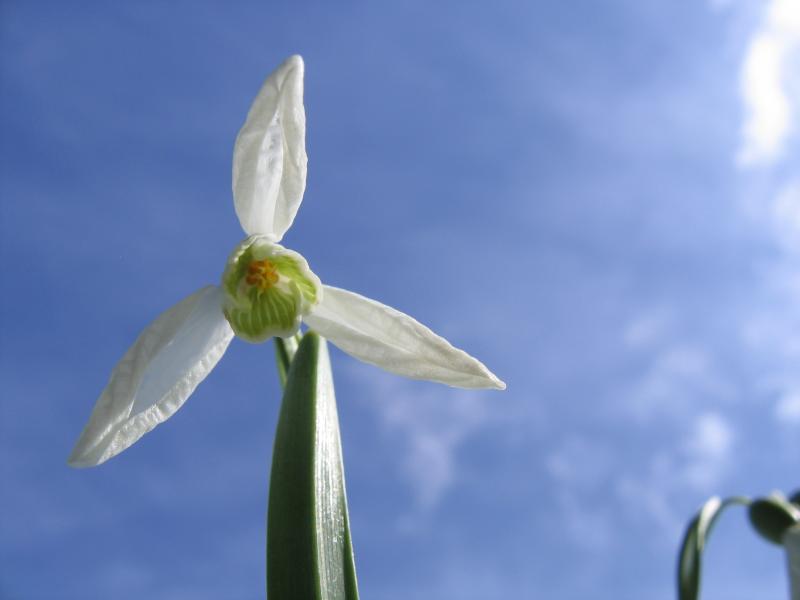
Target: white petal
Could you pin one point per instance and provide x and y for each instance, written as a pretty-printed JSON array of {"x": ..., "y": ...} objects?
[
  {"x": 269, "y": 157},
  {"x": 156, "y": 376},
  {"x": 383, "y": 336}
]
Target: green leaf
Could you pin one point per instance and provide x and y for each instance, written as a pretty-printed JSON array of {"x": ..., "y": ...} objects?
[
  {"x": 309, "y": 551},
  {"x": 694, "y": 542},
  {"x": 772, "y": 516}
]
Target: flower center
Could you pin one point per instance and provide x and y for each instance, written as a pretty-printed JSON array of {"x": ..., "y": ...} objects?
[
  {"x": 267, "y": 289},
  {"x": 262, "y": 274}
]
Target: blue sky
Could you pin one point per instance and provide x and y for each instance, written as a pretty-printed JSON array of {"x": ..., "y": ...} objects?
[{"x": 600, "y": 201}]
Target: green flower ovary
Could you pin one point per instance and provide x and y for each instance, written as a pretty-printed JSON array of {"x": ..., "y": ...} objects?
[{"x": 268, "y": 289}]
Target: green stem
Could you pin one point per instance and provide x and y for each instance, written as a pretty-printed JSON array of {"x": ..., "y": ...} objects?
[
  {"x": 694, "y": 542},
  {"x": 285, "y": 349}
]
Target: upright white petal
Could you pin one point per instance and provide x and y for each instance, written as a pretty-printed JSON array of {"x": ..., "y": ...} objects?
[
  {"x": 269, "y": 157},
  {"x": 154, "y": 378},
  {"x": 385, "y": 337}
]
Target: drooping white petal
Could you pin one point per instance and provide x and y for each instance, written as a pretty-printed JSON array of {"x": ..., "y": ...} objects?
[
  {"x": 156, "y": 376},
  {"x": 387, "y": 338},
  {"x": 269, "y": 156}
]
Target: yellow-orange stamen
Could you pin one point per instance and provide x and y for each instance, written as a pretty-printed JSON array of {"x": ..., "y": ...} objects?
[{"x": 262, "y": 274}]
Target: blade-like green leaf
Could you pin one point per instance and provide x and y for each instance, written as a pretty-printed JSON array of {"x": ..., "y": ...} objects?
[
  {"x": 309, "y": 551},
  {"x": 773, "y": 516},
  {"x": 694, "y": 541}
]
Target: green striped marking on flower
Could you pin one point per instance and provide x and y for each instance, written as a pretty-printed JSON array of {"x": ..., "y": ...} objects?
[{"x": 267, "y": 290}]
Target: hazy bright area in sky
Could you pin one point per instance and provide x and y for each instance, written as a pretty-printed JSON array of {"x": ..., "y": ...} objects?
[{"x": 599, "y": 200}]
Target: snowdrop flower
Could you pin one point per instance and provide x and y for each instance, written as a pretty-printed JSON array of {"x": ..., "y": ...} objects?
[{"x": 267, "y": 290}]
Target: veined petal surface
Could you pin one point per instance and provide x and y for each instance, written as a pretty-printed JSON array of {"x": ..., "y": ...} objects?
[
  {"x": 156, "y": 376},
  {"x": 267, "y": 289},
  {"x": 269, "y": 156},
  {"x": 385, "y": 337}
]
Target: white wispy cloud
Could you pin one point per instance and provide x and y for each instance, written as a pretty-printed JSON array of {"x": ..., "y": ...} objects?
[
  {"x": 589, "y": 526},
  {"x": 429, "y": 425},
  {"x": 580, "y": 467},
  {"x": 706, "y": 452},
  {"x": 679, "y": 375},
  {"x": 580, "y": 462},
  {"x": 787, "y": 409},
  {"x": 769, "y": 84},
  {"x": 700, "y": 464},
  {"x": 647, "y": 499},
  {"x": 786, "y": 215},
  {"x": 648, "y": 328},
  {"x": 584, "y": 469},
  {"x": 719, "y": 4}
]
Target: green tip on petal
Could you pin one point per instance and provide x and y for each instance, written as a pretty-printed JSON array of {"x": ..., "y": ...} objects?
[{"x": 267, "y": 290}]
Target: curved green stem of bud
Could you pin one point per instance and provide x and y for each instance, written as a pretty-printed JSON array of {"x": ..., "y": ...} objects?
[{"x": 267, "y": 290}]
